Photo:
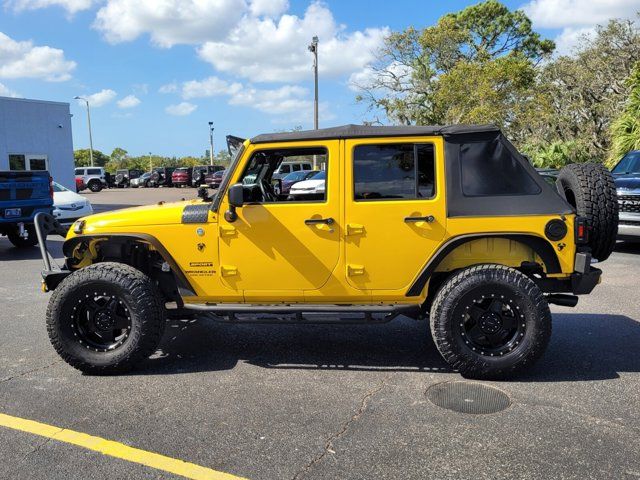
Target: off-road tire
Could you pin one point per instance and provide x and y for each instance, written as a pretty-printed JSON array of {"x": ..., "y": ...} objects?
[
  {"x": 448, "y": 312},
  {"x": 139, "y": 295},
  {"x": 95, "y": 186},
  {"x": 20, "y": 242},
  {"x": 590, "y": 188}
]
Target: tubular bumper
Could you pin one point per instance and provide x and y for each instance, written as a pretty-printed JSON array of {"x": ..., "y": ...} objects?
[{"x": 45, "y": 224}]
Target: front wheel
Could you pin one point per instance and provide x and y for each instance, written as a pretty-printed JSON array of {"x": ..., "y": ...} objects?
[
  {"x": 105, "y": 318},
  {"x": 95, "y": 186},
  {"x": 490, "y": 322}
]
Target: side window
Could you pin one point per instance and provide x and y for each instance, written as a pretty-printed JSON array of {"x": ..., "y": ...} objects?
[
  {"x": 394, "y": 171},
  {"x": 93, "y": 171},
  {"x": 79, "y": 171},
  {"x": 262, "y": 183}
]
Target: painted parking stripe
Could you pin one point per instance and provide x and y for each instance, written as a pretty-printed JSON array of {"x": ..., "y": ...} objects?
[{"x": 115, "y": 449}]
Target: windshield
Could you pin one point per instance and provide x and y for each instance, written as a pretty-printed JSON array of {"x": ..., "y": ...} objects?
[
  {"x": 59, "y": 188},
  {"x": 319, "y": 176},
  {"x": 630, "y": 163}
]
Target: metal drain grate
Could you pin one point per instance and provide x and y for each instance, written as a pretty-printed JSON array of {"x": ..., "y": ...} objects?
[{"x": 468, "y": 397}]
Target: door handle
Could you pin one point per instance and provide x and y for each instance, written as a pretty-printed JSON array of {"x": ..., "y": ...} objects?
[
  {"x": 316, "y": 221},
  {"x": 428, "y": 219}
]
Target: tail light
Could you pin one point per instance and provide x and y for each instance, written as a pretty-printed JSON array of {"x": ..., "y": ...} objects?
[
  {"x": 582, "y": 231},
  {"x": 51, "y": 187}
]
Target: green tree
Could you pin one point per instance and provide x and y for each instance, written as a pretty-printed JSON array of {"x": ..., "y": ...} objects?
[
  {"x": 625, "y": 130},
  {"x": 82, "y": 158},
  {"x": 476, "y": 65}
]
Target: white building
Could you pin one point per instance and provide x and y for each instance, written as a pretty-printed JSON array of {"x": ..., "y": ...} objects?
[{"x": 36, "y": 135}]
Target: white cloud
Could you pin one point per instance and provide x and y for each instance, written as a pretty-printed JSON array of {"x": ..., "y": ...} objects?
[
  {"x": 169, "y": 22},
  {"x": 573, "y": 13},
  {"x": 7, "y": 92},
  {"x": 209, "y": 87},
  {"x": 569, "y": 38},
  {"x": 100, "y": 98},
  {"x": 71, "y": 6},
  {"x": 268, "y": 51},
  {"x": 271, "y": 8},
  {"x": 168, "y": 88},
  {"x": 577, "y": 18},
  {"x": 181, "y": 109},
  {"x": 129, "y": 101},
  {"x": 21, "y": 59},
  {"x": 286, "y": 99}
]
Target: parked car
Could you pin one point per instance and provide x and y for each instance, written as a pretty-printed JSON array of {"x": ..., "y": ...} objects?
[
  {"x": 286, "y": 167},
  {"x": 626, "y": 175},
  {"x": 92, "y": 177},
  {"x": 181, "y": 177},
  {"x": 141, "y": 181},
  {"x": 80, "y": 184},
  {"x": 200, "y": 172},
  {"x": 68, "y": 206},
  {"x": 214, "y": 179},
  {"x": 161, "y": 177},
  {"x": 123, "y": 177},
  {"x": 295, "y": 177},
  {"x": 23, "y": 194},
  {"x": 447, "y": 225},
  {"x": 311, "y": 189}
]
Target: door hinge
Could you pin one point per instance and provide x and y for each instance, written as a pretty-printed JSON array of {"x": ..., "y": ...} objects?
[
  {"x": 227, "y": 231},
  {"x": 228, "y": 270},
  {"x": 355, "y": 270},
  {"x": 355, "y": 229}
]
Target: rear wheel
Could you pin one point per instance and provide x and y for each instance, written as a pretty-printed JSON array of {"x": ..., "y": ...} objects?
[
  {"x": 590, "y": 188},
  {"x": 490, "y": 321},
  {"x": 95, "y": 186},
  {"x": 105, "y": 318},
  {"x": 31, "y": 240}
]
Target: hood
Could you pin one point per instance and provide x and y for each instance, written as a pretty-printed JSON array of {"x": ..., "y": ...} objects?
[
  {"x": 157, "y": 214},
  {"x": 628, "y": 181}
]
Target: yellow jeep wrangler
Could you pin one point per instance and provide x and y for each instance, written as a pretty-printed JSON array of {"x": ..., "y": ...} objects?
[{"x": 449, "y": 224}]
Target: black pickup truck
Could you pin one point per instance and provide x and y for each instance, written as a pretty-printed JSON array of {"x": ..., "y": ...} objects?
[{"x": 22, "y": 195}]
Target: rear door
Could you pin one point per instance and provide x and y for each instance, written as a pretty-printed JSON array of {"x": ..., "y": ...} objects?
[{"x": 394, "y": 209}]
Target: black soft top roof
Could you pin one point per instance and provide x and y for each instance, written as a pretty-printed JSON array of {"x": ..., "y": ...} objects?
[{"x": 360, "y": 131}]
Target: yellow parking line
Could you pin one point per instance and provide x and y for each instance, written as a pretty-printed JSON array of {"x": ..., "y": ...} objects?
[{"x": 115, "y": 449}]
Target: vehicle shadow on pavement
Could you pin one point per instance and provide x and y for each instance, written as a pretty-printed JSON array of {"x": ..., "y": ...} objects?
[
  {"x": 583, "y": 347},
  {"x": 588, "y": 347},
  {"x": 9, "y": 253},
  {"x": 203, "y": 345},
  {"x": 628, "y": 247}
]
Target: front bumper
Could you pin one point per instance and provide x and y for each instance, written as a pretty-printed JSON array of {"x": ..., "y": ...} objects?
[{"x": 45, "y": 225}]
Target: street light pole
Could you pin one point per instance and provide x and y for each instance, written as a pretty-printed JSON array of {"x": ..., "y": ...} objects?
[
  {"x": 313, "y": 48},
  {"x": 89, "y": 123},
  {"x": 211, "y": 143},
  {"x": 150, "y": 162}
]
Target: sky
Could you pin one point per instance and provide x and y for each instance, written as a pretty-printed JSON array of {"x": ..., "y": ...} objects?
[{"x": 157, "y": 71}]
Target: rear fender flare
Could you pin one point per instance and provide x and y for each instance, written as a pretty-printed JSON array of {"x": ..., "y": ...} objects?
[{"x": 538, "y": 244}]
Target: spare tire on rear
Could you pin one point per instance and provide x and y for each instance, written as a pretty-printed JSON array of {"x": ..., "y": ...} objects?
[{"x": 590, "y": 188}]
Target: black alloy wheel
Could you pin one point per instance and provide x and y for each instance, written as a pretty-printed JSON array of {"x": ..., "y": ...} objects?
[{"x": 100, "y": 319}]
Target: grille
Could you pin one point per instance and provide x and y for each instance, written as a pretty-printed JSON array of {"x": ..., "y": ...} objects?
[
  {"x": 468, "y": 397},
  {"x": 629, "y": 203}
]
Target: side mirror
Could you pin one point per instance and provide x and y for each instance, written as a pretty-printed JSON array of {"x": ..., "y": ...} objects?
[
  {"x": 236, "y": 199},
  {"x": 236, "y": 195}
]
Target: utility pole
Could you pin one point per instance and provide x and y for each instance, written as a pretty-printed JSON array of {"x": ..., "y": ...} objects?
[
  {"x": 211, "y": 143},
  {"x": 313, "y": 48},
  {"x": 150, "y": 163},
  {"x": 89, "y": 123}
]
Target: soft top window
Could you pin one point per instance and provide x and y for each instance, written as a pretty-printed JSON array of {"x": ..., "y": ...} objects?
[{"x": 489, "y": 168}]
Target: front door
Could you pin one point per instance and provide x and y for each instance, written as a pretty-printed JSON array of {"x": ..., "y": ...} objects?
[
  {"x": 394, "y": 209},
  {"x": 282, "y": 245}
]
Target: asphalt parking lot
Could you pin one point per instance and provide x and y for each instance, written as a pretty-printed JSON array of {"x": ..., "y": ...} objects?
[{"x": 293, "y": 402}]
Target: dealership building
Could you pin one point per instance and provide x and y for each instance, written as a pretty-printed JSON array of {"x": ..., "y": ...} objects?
[{"x": 36, "y": 135}]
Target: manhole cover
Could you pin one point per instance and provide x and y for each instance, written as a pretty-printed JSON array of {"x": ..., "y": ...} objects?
[{"x": 468, "y": 397}]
